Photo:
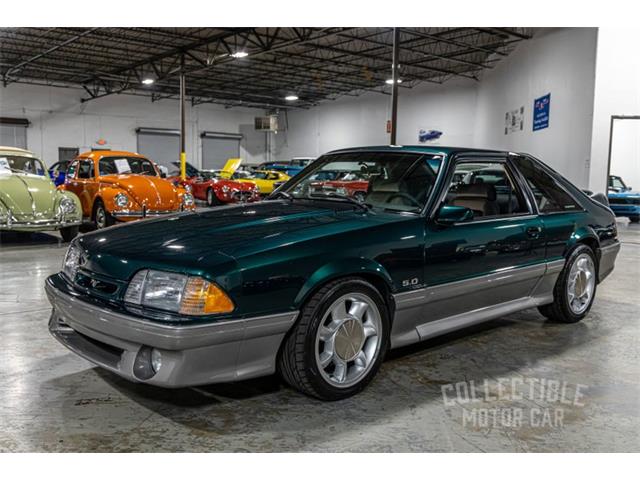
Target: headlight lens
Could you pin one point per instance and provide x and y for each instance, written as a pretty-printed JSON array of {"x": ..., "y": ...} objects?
[
  {"x": 67, "y": 205},
  {"x": 187, "y": 199},
  {"x": 341, "y": 191},
  {"x": 121, "y": 200},
  {"x": 225, "y": 189},
  {"x": 177, "y": 293},
  {"x": 71, "y": 261}
]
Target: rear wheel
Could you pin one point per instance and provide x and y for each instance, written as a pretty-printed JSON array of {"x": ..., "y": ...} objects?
[
  {"x": 69, "y": 233},
  {"x": 339, "y": 342},
  {"x": 575, "y": 288},
  {"x": 634, "y": 219},
  {"x": 212, "y": 198},
  {"x": 101, "y": 217}
]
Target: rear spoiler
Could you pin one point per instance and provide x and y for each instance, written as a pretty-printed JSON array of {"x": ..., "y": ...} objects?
[{"x": 597, "y": 197}]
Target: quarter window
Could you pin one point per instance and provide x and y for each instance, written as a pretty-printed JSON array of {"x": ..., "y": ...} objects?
[
  {"x": 487, "y": 188},
  {"x": 550, "y": 196}
]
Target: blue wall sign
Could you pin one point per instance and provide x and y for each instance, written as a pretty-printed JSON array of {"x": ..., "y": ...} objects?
[{"x": 541, "y": 107}]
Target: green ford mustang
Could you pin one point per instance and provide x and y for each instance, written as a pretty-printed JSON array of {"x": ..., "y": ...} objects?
[
  {"x": 29, "y": 201},
  {"x": 317, "y": 285}
]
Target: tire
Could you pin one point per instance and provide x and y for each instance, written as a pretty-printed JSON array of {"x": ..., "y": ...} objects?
[
  {"x": 359, "y": 196},
  {"x": 69, "y": 233},
  {"x": 571, "y": 281},
  {"x": 634, "y": 219},
  {"x": 101, "y": 217},
  {"x": 212, "y": 198},
  {"x": 354, "y": 343}
]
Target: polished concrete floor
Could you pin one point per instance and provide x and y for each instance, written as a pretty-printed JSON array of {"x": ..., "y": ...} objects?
[{"x": 52, "y": 400}]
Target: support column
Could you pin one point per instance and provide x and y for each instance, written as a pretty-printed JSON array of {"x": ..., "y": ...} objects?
[
  {"x": 183, "y": 154},
  {"x": 394, "y": 86}
]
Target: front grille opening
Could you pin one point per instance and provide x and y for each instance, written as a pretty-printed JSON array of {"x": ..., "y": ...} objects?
[
  {"x": 110, "y": 349},
  {"x": 95, "y": 285}
]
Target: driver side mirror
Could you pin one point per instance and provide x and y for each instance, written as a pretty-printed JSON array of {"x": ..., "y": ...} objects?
[{"x": 450, "y": 214}]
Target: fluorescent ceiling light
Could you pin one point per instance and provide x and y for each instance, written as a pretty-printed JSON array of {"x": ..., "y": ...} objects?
[
  {"x": 240, "y": 54},
  {"x": 291, "y": 98},
  {"x": 148, "y": 81},
  {"x": 389, "y": 81}
]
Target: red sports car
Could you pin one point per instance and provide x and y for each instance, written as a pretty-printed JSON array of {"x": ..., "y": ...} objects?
[
  {"x": 350, "y": 184},
  {"x": 213, "y": 189}
]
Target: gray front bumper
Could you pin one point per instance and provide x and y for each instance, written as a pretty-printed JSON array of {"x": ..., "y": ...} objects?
[{"x": 191, "y": 355}]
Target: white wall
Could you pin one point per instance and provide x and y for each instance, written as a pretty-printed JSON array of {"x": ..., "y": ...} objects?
[
  {"x": 617, "y": 92},
  {"x": 556, "y": 61},
  {"x": 58, "y": 119},
  {"x": 353, "y": 122}
]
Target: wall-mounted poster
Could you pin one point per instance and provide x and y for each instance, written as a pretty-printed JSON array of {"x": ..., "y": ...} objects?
[
  {"x": 541, "y": 109},
  {"x": 514, "y": 120},
  {"x": 426, "y": 135}
]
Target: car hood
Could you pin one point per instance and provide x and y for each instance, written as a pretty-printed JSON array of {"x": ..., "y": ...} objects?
[
  {"x": 27, "y": 196},
  {"x": 155, "y": 192},
  {"x": 205, "y": 240}
]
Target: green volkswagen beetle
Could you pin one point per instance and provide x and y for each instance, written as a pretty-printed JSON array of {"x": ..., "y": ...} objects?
[
  {"x": 318, "y": 286},
  {"x": 29, "y": 201}
]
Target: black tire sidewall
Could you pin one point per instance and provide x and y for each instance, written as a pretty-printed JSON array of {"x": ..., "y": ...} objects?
[
  {"x": 320, "y": 385},
  {"x": 69, "y": 233},
  {"x": 561, "y": 288}
]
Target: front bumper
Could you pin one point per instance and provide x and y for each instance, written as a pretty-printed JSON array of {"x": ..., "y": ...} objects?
[
  {"x": 135, "y": 214},
  {"x": 11, "y": 224},
  {"x": 192, "y": 355}
]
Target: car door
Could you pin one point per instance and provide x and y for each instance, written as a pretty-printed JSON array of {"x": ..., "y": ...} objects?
[
  {"x": 494, "y": 258},
  {"x": 81, "y": 181}
]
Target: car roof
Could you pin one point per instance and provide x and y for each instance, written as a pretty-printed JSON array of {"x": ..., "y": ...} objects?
[
  {"x": 431, "y": 149},
  {"x": 16, "y": 151},
  {"x": 96, "y": 154}
]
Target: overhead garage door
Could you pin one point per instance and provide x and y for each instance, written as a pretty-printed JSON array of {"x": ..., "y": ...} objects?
[
  {"x": 13, "y": 132},
  {"x": 218, "y": 147},
  {"x": 161, "y": 146}
]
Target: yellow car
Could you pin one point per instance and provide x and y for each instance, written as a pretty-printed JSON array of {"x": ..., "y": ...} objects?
[{"x": 265, "y": 180}]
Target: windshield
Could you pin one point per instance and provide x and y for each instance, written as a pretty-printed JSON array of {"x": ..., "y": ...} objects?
[
  {"x": 18, "y": 164},
  {"x": 393, "y": 181},
  {"x": 616, "y": 182},
  {"x": 124, "y": 165}
]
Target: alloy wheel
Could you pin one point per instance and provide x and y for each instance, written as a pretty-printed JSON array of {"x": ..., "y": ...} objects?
[
  {"x": 101, "y": 217},
  {"x": 348, "y": 340},
  {"x": 581, "y": 283}
]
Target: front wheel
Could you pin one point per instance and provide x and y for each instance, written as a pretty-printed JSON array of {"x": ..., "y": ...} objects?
[
  {"x": 212, "y": 198},
  {"x": 575, "y": 288},
  {"x": 69, "y": 233},
  {"x": 634, "y": 219},
  {"x": 336, "y": 347},
  {"x": 101, "y": 217}
]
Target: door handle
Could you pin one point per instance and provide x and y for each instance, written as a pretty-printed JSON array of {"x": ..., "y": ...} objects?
[{"x": 534, "y": 232}]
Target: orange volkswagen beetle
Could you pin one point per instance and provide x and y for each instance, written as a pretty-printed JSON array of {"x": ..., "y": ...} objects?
[{"x": 122, "y": 186}]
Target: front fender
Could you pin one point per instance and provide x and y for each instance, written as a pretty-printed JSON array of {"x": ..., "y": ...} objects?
[
  {"x": 341, "y": 268},
  {"x": 108, "y": 193}
]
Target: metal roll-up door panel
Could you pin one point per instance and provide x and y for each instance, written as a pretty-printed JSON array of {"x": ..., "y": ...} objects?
[
  {"x": 217, "y": 150},
  {"x": 162, "y": 148},
  {"x": 13, "y": 135}
]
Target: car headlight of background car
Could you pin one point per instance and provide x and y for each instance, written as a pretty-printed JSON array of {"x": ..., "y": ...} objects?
[
  {"x": 71, "y": 261},
  {"x": 177, "y": 293},
  {"x": 67, "y": 206},
  {"x": 341, "y": 191},
  {"x": 187, "y": 199},
  {"x": 121, "y": 200},
  {"x": 225, "y": 189}
]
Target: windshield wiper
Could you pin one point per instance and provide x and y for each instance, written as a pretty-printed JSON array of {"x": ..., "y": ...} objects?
[{"x": 341, "y": 197}]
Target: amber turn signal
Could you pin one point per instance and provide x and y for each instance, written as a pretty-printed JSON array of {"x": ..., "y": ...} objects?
[{"x": 204, "y": 298}]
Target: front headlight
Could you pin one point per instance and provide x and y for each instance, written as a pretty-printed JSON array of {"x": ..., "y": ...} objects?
[
  {"x": 177, "y": 293},
  {"x": 225, "y": 189},
  {"x": 187, "y": 199},
  {"x": 67, "y": 206},
  {"x": 71, "y": 261},
  {"x": 341, "y": 191},
  {"x": 121, "y": 200}
]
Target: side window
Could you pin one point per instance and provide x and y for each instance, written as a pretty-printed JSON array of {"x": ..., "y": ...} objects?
[
  {"x": 487, "y": 188},
  {"x": 85, "y": 169},
  {"x": 550, "y": 196},
  {"x": 73, "y": 168}
]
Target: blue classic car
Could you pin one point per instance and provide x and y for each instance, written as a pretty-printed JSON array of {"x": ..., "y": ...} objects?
[
  {"x": 623, "y": 201},
  {"x": 291, "y": 167}
]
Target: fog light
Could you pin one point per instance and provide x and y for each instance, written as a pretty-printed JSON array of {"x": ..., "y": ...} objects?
[{"x": 156, "y": 360}]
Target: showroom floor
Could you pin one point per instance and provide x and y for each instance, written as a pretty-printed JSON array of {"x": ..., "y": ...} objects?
[{"x": 54, "y": 401}]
